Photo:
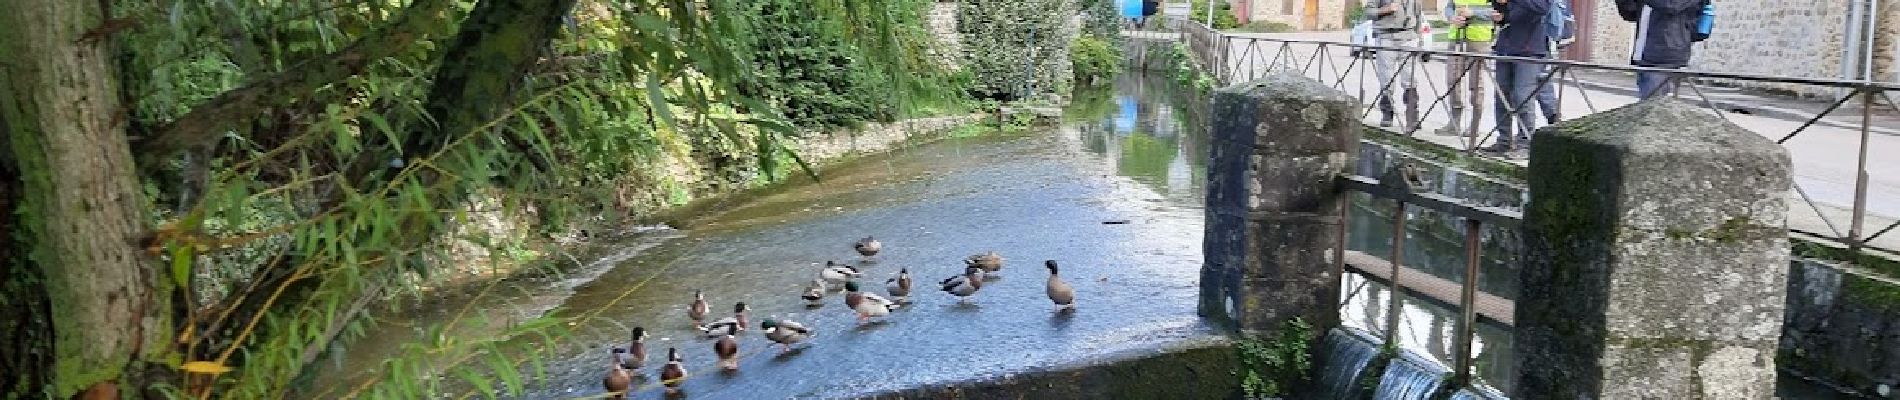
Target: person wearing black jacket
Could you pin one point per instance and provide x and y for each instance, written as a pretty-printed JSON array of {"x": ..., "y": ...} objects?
[
  {"x": 1664, "y": 33},
  {"x": 1524, "y": 35}
]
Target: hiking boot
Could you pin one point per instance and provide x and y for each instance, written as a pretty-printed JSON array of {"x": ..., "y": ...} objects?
[
  {"x": 1449, "y": 130},
  {"x": 1385, "y": 121},
  {"x": 1505, "y": 147}
]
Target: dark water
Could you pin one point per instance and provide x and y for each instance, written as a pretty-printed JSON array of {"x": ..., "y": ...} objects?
[{"x": 1032, "y": 196}]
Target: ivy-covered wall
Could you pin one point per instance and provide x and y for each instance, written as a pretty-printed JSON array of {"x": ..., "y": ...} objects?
[{"x": 1018, "y": 49}]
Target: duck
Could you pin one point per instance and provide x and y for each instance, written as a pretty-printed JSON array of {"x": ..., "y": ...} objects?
[
  {"x": 990, "y": 262},
  {"x": 836, "y": 273},
  {"x": 618, "y": 381},
  {"x": 674, "y": 373},
  {"x": 814, "y": 293},
  {"x": 697, "y": 310},
  {"x": 637, "y": 351},
  {"x": 786, "y": 333},
  {"x": 867, "y": 305},
  {"x": 867, "y": 247},
  {"x": 1059, "y": 292},
  {"x": 963, "y": 286},
  {"x": 728, "y": 349},
  {"x": 899, "y": 286},
  {"x": 719, "y": 327}
]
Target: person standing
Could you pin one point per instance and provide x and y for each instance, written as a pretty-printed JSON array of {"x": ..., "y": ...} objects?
[
  {"x": 1472, "y": 25},
  {"x": 1665, "y": 30},
  {"x": 1562, "y": 34},
  {"x": 1395, "y": 24},
  {"x": 1524, "y": 35}
]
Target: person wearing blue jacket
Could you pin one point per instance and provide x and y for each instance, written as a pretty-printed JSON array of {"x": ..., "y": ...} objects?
[
  {"x": 1664, "y": 32},
  {"x": 1524, "y": 35}
]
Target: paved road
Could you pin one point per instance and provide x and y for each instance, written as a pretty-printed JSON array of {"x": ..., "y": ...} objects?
[{"x": 1825, "y": 155}]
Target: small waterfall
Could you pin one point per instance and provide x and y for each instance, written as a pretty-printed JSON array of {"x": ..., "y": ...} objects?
[
  {"x": 1343, "y": 359},
  {"x": 1478, "y": 393},
  {"x": 1409, "y": 377}
]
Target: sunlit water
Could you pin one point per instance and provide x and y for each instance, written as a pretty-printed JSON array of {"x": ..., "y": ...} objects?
[{"x": 1115, "y": 196}]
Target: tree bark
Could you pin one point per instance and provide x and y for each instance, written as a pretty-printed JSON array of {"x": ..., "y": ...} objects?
[{"x": 81, "y": 213}]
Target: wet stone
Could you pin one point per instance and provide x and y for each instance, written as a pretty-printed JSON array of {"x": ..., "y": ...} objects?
[
  {"x": 1655, "y": 257},
  {"x": 1278, "y": 145}
]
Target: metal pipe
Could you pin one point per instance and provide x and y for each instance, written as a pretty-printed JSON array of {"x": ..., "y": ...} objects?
[
  {"x": 1398, "y": 292},
  {"x": 1860, "y": 171},
  {"x": 1467, "y": 304},
  {"x": 1339, "y": 235}
]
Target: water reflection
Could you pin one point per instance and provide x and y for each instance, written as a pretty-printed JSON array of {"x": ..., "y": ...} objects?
[
  {"x": 1427, "y": 328},
  {"x": 1148, "y": 139}
]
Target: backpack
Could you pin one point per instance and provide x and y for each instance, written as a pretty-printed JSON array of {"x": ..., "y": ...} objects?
[
  {"x": 1560, "y": 24},
  {"x": 1705, "y": 23}
]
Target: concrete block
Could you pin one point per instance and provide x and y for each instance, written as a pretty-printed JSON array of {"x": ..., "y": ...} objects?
[{"x": 1654, "y": 239}]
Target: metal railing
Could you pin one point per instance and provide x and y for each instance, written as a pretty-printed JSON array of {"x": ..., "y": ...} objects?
[
  {"x": 1396, "y": 187},
  {"x": 1234, "y": 58}
]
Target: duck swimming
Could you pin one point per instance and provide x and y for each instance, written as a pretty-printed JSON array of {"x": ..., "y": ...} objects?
[
  {"x": 618, "y": 380},
  {"x": 637, "y": 351},
  {"x": 867, "y": 247},
  {"x": 835, "y": 273},
  {"x": 674, "y": 373},
  {"x": 718, "y": 327},
  {"x": 697, "y": 310},
  {"x": 728, "y": 349},
  {"x": 814, "y": 293},
  {"x": 899, "y": 287},
  {"x": 990, "y": 262}
]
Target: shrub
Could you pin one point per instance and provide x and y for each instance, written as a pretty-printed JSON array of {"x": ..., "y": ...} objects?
[
  {"x": 1267, "y": 27},
  {"x": 1095, "y": 59},
  {"x": 1223, "y": 15}
]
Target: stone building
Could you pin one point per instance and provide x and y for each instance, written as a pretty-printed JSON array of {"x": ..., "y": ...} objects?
[
  {"x": 1798, "y": 38},
  {"x": 1306, "y": 15}
]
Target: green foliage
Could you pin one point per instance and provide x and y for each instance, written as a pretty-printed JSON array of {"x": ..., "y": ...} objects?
[
  {"x": 1272, "y": 367},
  {"x": 1095, "y": 60},
  {"x": 1101, "y": 18},
  {"x": 1267, "y": 27},
  {"x": 1223, "y": 15},
  {"x": 805, "y": 67},
  {"x": 1010, "y": 47},
  {"x": 638, "y": 104}
]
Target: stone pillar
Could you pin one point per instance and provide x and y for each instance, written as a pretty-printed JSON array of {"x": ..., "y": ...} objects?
[
  {"x": 1272, "y": 202},
  {"x": 1656, "y": 258}
]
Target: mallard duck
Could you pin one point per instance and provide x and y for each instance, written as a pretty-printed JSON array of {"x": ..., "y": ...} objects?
[
  {"x": 674, "y": 373},
  {"x": 836, "y": 273},
  {"x": 637, "y": 351},
  {"x": 697, "y": 310},
  {"x": 964, "y": 285},
  {"x": 815, "y": 292},
  {"x": 899, "y": 286},
  {"x": 990, "y": 262},
  {"x": 719, "y": 326},
  {"x": 728, "y": 349},
  {"x": 867, "y": 305},
  {"x": 618, "y": 380},
  {"x": 867, "y": 247},
  {"x": 1059, "y": 292},
  {"x": 786, "y": 333}
]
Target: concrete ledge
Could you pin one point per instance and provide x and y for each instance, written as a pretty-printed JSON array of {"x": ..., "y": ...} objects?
[{"x": 1192, "y": 369}]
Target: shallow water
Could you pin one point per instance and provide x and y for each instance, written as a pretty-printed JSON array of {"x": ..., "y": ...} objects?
[{"x": 1043, "y": 194}]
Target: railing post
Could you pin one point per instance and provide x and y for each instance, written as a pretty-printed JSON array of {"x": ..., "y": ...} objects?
[
  {"x": 1398, "y": 289},
  {"x": 1855, "y": 228},
  {"x": 1277, "y": 149},
  {"x": 1656, "y": 258},
  {"x": 1467, "y": 304}
]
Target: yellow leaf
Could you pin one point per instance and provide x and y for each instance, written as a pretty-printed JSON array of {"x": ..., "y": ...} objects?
[{"x": 205, "y": 367}]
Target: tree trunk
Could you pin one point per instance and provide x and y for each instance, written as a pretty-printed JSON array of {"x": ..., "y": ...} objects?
[{"x": 81, "y": 213}]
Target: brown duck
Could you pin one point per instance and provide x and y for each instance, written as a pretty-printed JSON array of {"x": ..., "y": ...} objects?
[
  {"x": 728, "y": 349},
  {"x": 618, "y": 380}
]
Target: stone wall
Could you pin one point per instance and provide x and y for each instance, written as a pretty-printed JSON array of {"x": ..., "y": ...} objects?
[
  {"x": 943, "y": 26},
  {"x": 1841, "y": 328},
  {"x": 1798, "y": 38},
  {"x": 1332, "y": 13}
]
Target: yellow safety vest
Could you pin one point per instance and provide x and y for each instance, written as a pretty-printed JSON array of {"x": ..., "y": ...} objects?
[{"x": 1475, "y": 31}]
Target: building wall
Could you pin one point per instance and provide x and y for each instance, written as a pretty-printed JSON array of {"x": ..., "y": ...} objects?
[
  {"x": 1332, "y": 13},
  {"x": 1798, "y": 38}
]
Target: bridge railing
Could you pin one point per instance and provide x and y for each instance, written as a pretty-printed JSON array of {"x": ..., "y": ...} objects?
[
  {"x": 1470, "y": 302},
  {"x": 1835, "y": 198}
]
